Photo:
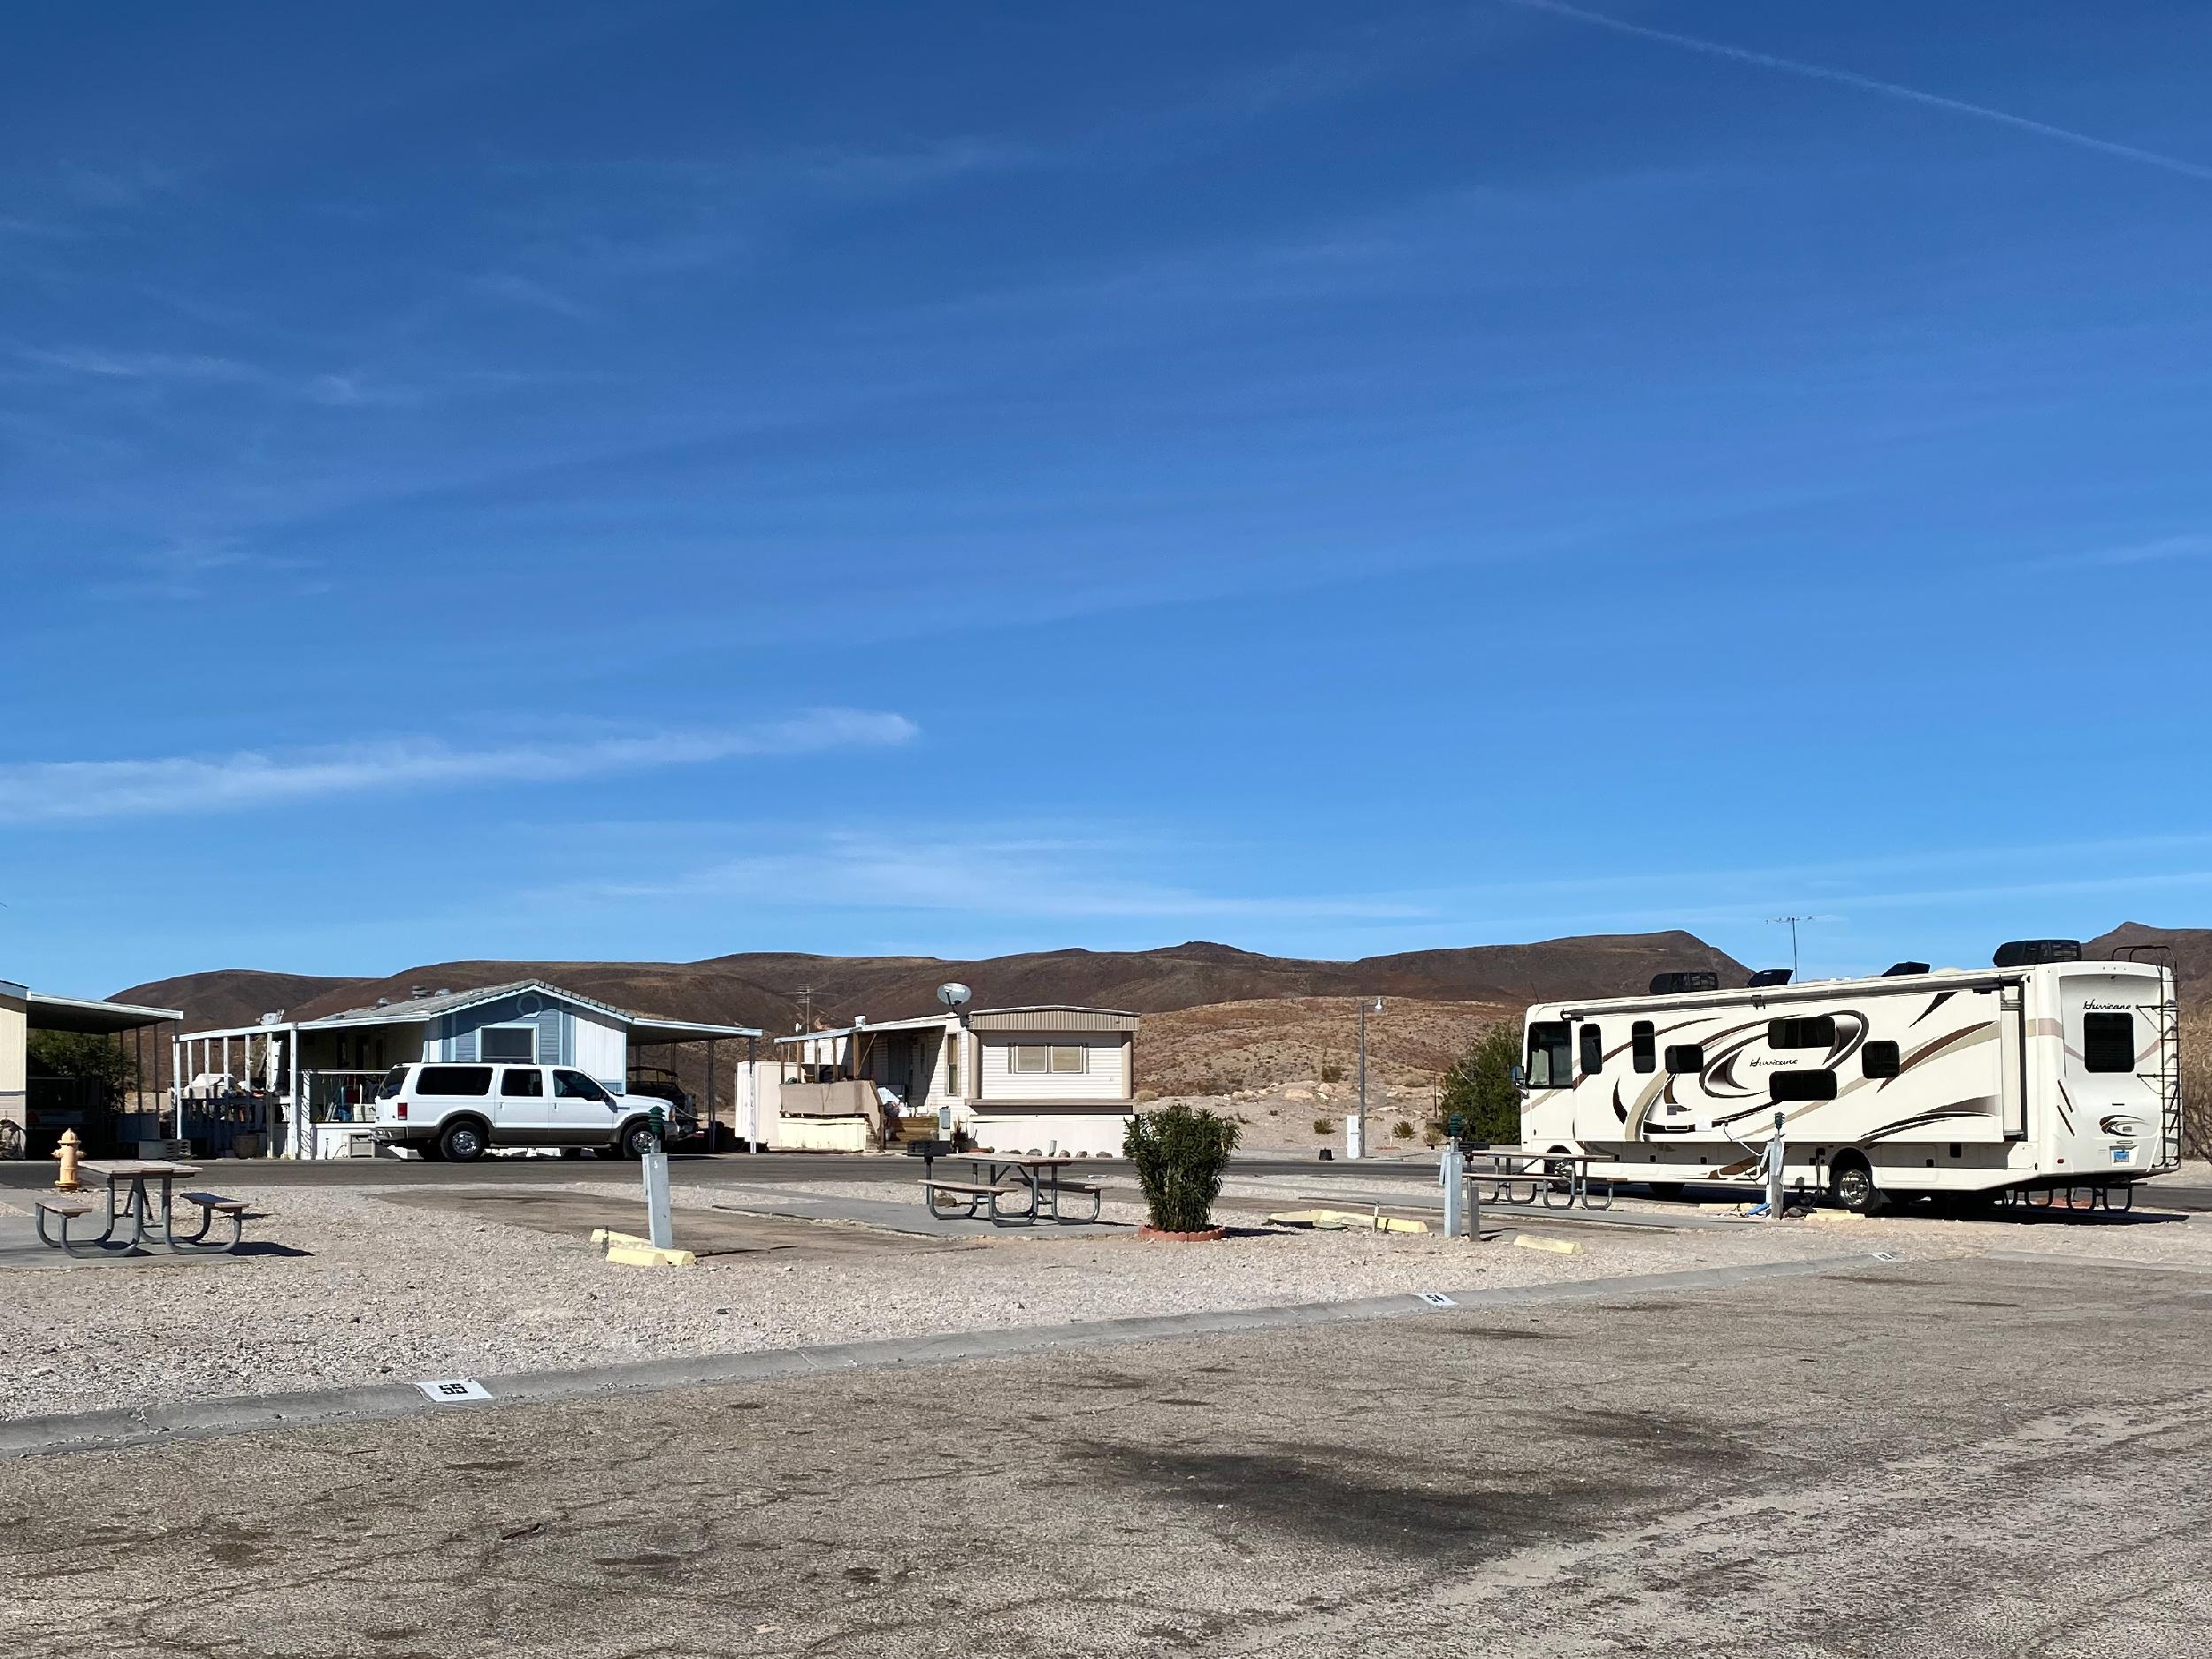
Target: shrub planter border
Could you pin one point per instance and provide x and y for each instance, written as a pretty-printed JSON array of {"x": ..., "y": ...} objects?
[{"x": 1205, "y": 1235}]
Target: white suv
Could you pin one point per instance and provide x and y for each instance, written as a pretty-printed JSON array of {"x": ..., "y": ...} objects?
[{"x": 462, "y": 1110}]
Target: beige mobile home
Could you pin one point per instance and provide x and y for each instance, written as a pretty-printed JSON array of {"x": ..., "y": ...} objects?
[{"x": 1013, "y": 1079}]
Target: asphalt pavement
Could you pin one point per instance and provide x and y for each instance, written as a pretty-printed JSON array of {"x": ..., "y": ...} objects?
[
  {"x": 742, "y": 1168},
  {"x": 1960, "y": 1458}
]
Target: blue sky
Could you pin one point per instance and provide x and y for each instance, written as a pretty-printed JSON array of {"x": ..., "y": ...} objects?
[{"x": 649, "y": 481}]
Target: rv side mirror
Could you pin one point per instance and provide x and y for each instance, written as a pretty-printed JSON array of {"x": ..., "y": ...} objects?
[{"x": 1519, "y": 1077}]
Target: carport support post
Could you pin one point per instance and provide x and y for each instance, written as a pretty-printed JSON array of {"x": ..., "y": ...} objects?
[
  {"x": 658, "y": 1225},
  {"x": 1774, "y": 1172}
]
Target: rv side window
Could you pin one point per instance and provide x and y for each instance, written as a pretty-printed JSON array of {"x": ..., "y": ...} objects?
[
  {"x": 2108, "y": 1042},
  {"x": 1593, "y": 1051},
  {"x": 1643, "y": 1046},
  {"x": 1685, "y": 1057},
  {"x": 1801, "y": 1085},
  {"x": 1880, "y": 1059},
  {"x": 1548, "y": 1055},
  {"x": 1806, "y": 1031}
]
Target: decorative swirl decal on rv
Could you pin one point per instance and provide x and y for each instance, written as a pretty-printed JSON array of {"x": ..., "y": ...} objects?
[
  {"x": 1964, "y": 1037},
  {"x": 1981, "y": 1106},
  {"x": 1942, "y": 996}
]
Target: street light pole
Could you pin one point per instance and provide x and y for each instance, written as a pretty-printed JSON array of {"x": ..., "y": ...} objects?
[{"x": 1358, "y": 1139}]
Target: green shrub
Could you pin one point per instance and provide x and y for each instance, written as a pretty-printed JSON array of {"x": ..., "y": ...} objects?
[
  {"x": 1324, "y": 1126},
  {"x": 1403, "y": 1128},
  {"x": 1331, "y": 1072},
  {"x": 1181, "y": 1155},
  {"x": 1478, "y": 1089}
]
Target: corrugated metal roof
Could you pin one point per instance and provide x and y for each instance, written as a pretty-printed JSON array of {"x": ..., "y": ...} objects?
[
  {"x": 412, "y": 1010},
  {"x": 1052, "y": 1017},
  {"x": 84, "y": 1014}
]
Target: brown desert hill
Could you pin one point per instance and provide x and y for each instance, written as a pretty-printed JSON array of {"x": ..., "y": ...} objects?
[
  {"x": 2190, "y": 948},
  {"x": 233, "y": 996},
  {"x": 761, "y": 989}
]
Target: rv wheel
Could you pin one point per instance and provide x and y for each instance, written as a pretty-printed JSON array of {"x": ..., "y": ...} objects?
[{"x": 1851, "y": 1184}]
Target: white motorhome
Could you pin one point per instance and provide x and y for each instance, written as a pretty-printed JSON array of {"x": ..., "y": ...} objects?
[{"x": 2041, "y": 1071}]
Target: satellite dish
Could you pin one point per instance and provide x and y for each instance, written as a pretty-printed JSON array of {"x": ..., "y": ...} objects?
[{"x": 954, "y": 995}]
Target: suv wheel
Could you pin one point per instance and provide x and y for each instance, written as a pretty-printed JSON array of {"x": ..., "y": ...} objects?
[{"x": 463, "y": 1142}]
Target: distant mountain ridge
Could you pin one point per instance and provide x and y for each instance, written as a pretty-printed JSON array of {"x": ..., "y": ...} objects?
[{"x": 763, "y": 988}]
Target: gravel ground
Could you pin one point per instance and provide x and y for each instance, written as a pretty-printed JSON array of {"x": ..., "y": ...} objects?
[{"x": 384, "y": 1292}]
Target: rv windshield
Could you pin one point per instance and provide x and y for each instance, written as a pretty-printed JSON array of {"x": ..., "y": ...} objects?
[{"x": 1551, "y": 1055}]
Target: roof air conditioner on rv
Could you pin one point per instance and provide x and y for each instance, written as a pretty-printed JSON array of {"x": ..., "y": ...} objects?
[
  {"x": 1676, "y": 984},
  {"x": 1768, "y": 976},
  {"x": 2029, "y": 952},
  {"x": 1898, "y": 970}
]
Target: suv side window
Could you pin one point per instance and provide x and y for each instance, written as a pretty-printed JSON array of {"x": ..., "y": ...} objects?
[
  {"x": 455, "y": 1080},
  {"x": 575, "y": 1086},
  {"x": 523, "y": 1080}
]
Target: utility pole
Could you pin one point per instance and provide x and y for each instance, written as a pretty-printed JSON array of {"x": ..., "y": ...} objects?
[{"x": 1791, "y": 923}]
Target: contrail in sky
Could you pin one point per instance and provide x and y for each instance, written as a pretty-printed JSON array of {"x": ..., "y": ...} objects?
[{"x": 1867, "y": 83}]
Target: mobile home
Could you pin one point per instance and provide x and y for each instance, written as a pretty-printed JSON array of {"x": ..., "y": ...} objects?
[{"x": 2042, "y": 1071}]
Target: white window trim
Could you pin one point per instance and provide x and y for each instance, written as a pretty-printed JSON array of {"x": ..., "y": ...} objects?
[{"x": 1014, "y": 1059}]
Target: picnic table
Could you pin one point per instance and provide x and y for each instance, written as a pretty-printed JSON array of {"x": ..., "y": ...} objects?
[
  {"x": 126, "y": 1180},
  {"x": 1002, "y": 1175},
  {"x": 1558, "y": 1180}
]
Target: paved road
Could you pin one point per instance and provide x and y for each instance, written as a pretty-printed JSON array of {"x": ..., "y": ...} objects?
[
  {"x": 1964, "y": 1457},
  {"x": 737, "y": 1167}
]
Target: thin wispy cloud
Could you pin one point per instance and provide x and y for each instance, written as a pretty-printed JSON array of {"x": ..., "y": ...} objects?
[
  {"x": 65, "y": 792},
  {"x": 1045, "y": 876},
  {"x": 2158, "y": 550},
  {"x": 1869, "y": 83}
]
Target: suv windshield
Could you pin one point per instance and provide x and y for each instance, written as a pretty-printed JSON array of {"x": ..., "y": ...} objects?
[{"x": 393, "y": 1080}]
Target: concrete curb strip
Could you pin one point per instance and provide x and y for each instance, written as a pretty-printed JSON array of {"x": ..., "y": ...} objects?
[{"x": 115, "y": 1430}]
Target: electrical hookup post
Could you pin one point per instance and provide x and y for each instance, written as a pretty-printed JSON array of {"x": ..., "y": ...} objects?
[
  {"x": 1463, "y": 1204},
  {"x": 660, "y": 1227},
  {"x": 1772, "y": 1159}
]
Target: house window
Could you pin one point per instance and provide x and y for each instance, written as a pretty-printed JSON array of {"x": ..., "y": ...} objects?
[
  {"x": 1806, "y": 1031},
  {"x": 1548, "y": 1052},
  {"x": 1685, "y": 1057},
  {"x": 1030, "y": 1058},
  {"x": 508, "y": 1043},
  {"x": 953, "y": 1065},
  {"x": 1070, "y": 1057},
  {"x": 1880, "y": 1059},
  {"x": 1593, "y": 1051},
  {"x": 1818, "y": 1085},
  {"x": 1037, "y": 1059},
  {"x": 1643, "y": 1046},
  {"x": 2108, "y": 1042}
]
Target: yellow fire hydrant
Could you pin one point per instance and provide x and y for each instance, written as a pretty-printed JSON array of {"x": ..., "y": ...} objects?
[{"x": 68, "y": 1153}]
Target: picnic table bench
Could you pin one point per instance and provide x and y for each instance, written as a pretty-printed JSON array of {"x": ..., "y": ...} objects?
[
  {"x": 126, "y": 1178},
  {"x": 1558, "y": 1180},
  {"x": 1038, "y": 1179}
]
